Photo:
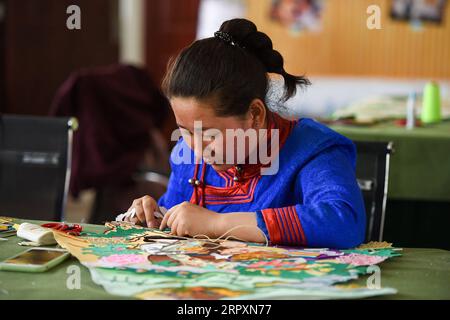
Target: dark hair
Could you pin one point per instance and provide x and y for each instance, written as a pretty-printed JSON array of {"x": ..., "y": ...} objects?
[{"x": 232, "y": 73}]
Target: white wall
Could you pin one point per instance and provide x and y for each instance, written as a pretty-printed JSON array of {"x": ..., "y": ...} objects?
[{"x": 213, "y": 12}]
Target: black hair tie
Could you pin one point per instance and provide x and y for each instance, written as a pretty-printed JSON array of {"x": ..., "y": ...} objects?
[{"x": 226, "y": 37}]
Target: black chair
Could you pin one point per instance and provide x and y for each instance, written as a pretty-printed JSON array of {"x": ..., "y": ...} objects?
[
  {"x": 35, "y": 157},
  {"x": 372, "y": 173},
  {"x": 151, "y": 177}
]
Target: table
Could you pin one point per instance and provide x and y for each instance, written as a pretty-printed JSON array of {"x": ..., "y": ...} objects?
[
  {"x": 418, "y": 207},
  {"x": 420, "y": 165},
  {"x": 418, "y": 274}
]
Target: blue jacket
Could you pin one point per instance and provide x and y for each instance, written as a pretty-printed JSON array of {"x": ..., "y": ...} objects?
[{"x": 313, "y": 200}]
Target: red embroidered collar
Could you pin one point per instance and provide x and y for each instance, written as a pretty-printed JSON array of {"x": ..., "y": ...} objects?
[{"x": 240, "y": 180}]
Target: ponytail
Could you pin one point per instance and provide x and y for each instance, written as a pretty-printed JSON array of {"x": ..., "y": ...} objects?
[
  {"x": 245, "y": 33},
  {"x": 231, "y": 68}
]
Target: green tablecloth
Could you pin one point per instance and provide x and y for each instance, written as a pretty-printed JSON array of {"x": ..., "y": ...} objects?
[
  {"x": 418, "y": 274},
  {"x": 420, "y": 166}
]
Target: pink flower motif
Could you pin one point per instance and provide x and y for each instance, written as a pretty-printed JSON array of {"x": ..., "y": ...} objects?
[
  {"x": 357, "y": 259},
  {"x": 123, "y": 259}
]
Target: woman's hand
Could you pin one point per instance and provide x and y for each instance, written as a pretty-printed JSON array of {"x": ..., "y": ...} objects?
[
  {"x": 145, "y": 212},
  {"x": 187, "y": 219}
]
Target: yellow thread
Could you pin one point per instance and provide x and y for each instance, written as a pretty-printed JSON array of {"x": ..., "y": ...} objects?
[
  {"x": 228, "y": 237},
  {"x": 218, "y": 238}
]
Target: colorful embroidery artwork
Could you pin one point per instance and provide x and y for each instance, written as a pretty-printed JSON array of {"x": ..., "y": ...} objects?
[{"x": 129, "y": 260}]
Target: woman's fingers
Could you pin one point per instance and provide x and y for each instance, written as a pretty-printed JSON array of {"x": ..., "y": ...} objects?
[
  {"x": 172, "y": 218},
  {"x": 167, "y": 217},
  {"x": 140, "y": 214},
  {"x": 173, "y": 228},
  {"x": 150, "y": 206},
  {"x": 157, "y": 222},
  {"x": 144, "y": 209},
  {"x": 163, "y": 224},
  {"x": 181, "y": 231},
  {"x": 129, "y": 216},
  {"x": 134, "y": 220}
]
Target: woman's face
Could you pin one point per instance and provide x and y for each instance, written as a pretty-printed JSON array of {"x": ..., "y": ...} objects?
[{"x": 210, "y": 141}]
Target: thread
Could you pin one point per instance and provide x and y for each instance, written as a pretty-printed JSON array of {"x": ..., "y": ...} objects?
[
  {"x": 234, "y": 237},
  {"x": 222, "y": 235}
]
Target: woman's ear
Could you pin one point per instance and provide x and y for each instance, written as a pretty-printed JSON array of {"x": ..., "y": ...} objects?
[{"x": 257, "y": 113}]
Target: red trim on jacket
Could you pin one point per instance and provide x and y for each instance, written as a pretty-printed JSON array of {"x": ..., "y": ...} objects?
[{"x": 284, "y": 226}]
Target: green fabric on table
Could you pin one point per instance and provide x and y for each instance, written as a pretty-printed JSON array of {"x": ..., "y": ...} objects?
[
  {"x": 50, "y": 284},
  {"x": 420, "y": 165},
  {"x": 417, "y": 274}
]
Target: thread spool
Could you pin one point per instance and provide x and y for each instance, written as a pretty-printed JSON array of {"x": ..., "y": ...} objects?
[
  {"x": 411, "y": 111},
  {"x": 431, "y": 104}
]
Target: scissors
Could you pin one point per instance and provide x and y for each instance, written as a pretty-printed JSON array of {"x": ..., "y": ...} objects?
[{"x": 74, "y": 229}]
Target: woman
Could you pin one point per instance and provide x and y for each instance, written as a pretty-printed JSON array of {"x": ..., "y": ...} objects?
[{"x": 311, "y": 200}]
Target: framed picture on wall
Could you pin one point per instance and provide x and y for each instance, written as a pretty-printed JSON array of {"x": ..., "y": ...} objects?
[
  {"x": 414, "y": 10},
  {"x": 298, "y": 15}
]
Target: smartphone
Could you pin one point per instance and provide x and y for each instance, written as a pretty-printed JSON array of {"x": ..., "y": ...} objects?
[{"x": 35, "y": 260}]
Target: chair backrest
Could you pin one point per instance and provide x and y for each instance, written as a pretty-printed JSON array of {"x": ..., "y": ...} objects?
[
  {"x": 35, "y": 157},
  {"x": 372, "y": 172}
]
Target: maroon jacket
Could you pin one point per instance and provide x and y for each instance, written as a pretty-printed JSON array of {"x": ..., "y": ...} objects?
[{"x": 116, "y": 107}]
